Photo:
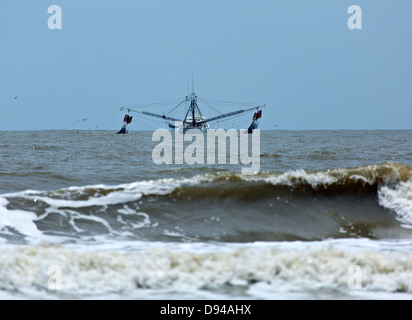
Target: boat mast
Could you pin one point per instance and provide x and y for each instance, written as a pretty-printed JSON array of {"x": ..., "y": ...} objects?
[
  {"x": 192, "y": 109},
  {"x": 193, "y": 102}
]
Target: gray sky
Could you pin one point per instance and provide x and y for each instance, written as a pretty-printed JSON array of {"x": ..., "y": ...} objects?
[{"x": 298, "y": 57}]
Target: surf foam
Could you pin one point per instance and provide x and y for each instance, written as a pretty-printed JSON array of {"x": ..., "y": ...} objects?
[
  {"x": 103, "y": 272},
  {"x": 20, "y": 221}
]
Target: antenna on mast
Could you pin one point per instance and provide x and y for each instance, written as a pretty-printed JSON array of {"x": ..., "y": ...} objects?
[
  {"x": 188, "y": 89},
  {"x": 188, "y": 92},
  {"x": 193, "y": 83}
]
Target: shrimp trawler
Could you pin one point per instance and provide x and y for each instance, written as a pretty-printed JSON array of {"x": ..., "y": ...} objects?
[{"x": 193, "y": 116}]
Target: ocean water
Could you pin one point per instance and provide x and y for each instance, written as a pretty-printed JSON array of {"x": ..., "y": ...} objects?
[{"x": 89, "y": 215}]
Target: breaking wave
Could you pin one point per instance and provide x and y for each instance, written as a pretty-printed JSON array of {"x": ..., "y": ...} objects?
[{"x": 373, "y": 201}]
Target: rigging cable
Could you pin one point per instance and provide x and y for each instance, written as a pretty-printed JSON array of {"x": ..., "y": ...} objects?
[
  {"x": 176, "y": 107},
  {"x": 208, "y": 104}
]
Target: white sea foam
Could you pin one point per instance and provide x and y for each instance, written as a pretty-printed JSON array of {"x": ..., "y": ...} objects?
[
  {"x": 66, "y": 202},
  {"x": 116, "y": 195},
  {"x": 103, "y": 195},
  {"x": 367, "y": 175},
  {"x": 299, "y": 267},
  {"x": 398, "y": 199},
  {"x": 19, "y": 220},
  {"x": 290, "y": 178}
]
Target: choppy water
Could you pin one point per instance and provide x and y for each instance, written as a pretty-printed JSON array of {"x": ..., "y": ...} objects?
[{"x": 87, "y": 214}]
